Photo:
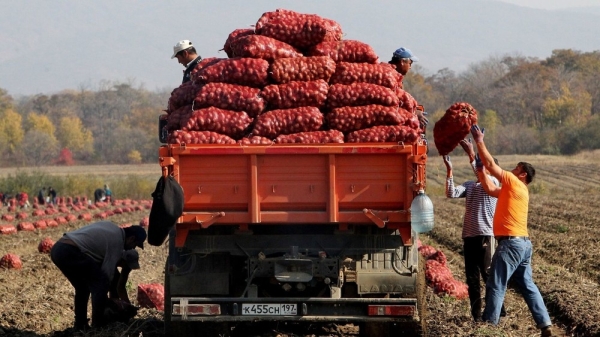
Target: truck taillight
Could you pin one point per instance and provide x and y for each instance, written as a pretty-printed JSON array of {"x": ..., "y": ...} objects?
[
  {"x": 391, "y": 310},
  {"x": 197, "y": 309}
]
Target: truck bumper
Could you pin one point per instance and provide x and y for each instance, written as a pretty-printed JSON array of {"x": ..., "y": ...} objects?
[{"x": 308, "y": 309}]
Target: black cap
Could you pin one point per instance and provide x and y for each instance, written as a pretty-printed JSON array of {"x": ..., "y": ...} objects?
[{"x": 139, "y": 232}]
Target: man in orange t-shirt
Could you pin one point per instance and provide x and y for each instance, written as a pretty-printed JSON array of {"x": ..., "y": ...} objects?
[{"x": 513, "y": 255}]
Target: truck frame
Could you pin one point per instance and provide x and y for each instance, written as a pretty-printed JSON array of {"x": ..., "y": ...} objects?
[{"x": 295, "y": 233}]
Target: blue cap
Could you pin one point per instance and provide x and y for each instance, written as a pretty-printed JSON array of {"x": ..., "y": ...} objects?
[{"x": 405, "y": 53}]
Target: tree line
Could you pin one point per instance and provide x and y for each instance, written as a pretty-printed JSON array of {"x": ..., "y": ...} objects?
[{"x": 527, "y": 106}]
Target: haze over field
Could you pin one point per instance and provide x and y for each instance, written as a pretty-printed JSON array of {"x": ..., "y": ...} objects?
[{"x": 46, "y": 47}]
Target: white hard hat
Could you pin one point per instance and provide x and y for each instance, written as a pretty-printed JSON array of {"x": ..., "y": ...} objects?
[{"x": 181, "y": 45}]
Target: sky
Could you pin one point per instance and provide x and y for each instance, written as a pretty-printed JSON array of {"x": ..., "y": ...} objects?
[
  {"x": 50, "y": 46},
  {"x": 553, "y": 4}
]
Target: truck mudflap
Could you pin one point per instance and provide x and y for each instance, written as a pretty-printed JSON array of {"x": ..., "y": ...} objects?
[{"x": 341, "y": 310}]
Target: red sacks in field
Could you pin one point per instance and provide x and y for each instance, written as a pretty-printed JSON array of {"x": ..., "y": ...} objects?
[
  {"x": 302, "y": 69},
  {"x": 151, "y": 296},
  {"x": 352, "y": 118},
  {"x": 7, "y": 217},
  {"x": 209, "y": 61},
  {"x": 380, "y": 74},
  {"x": 296, "y": 94},
  {"x": 263, "y": 47},
  {"x": 426, "y": 251},
  {"x": 383, "y": 133},
  {"x": 11, "y": 261},
  {"x": 41, "y": 224},
  {"x": 243, "y": 71},
  {"x": 286, "y": 121},
  {"x": 182, "y": 96},
  {"x": 230, "y": 97},
  {"x": 453, "y": 288},
  {"x": 231, "y": 123},
  {"x": 356, "y": 94},
  {"x": 255, "y": 140},
  {"x": 198, "y": 137},
  {"x": 296, "y": 29},
  {"x": 311, "y": 137},
  {"x": 7, "y": 229},
  {"x": 436, "y": 272},
  {"x": 25, "y": 226},
  {"x": 345, "y": 51},
  {"x": 179, "y": 117},
  {"x": 453, "y": 127},
  {"x": 45, "y": 246},
  {"x": 234, "y": 35}
]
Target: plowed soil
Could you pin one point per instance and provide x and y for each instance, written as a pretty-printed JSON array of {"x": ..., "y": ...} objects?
[{"x": 564, "y": 225}]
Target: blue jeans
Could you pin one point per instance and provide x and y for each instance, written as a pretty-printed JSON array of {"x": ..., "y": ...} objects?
[{"x": 513, "y": 259}]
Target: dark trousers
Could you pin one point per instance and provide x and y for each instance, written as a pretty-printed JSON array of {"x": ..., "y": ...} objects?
[
  {"x": 478, "y": 252},
  {"x": 86, "y": 277}
]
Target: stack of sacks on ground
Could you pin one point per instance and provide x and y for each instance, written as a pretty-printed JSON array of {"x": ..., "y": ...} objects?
[
  {"x": 439, "y": 276},
  {"x": 292, "y": 79}
]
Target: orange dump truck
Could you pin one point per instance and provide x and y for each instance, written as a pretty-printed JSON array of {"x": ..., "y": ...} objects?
[{"x": 295, "y": 233}]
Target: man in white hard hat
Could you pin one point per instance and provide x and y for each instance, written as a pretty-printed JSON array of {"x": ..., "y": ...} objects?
[{"x": 186, "y": 54}]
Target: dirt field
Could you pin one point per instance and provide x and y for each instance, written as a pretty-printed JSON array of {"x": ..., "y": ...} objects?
[{"x": 564, "y": 224}]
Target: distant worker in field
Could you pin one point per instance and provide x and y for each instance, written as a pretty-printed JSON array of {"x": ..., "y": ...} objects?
[
  {"x": 89, "y": 257},
  {"x": 52, "y": 195},
  {"x": 513, "y": 256},
  {"x": 41, "y": 195},
  {"x": 107, "y": 193},
  {"x": 477, "y": 234},
  {"x": 186, "y": 54},
  {"x": 99, "y": 195}
]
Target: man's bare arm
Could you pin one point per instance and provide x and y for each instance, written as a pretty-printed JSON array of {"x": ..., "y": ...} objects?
[{"x": 486, "y": 157}]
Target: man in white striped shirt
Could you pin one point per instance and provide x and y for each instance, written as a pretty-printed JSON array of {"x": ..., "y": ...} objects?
[{"x": 477, "y": 234}]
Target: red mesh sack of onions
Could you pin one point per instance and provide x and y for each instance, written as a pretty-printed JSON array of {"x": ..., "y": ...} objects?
[
  {"x": 380, "y": 74},
  {"x": 296, "y": 94},
  {"x": 382, "y": 134},
  {"x": 348, "y": 119},
  {"x": 287, "y": 121},
  {"x": 297, "y": 29},
  {"x": 426, "y": 251},
  {"x": 345, "y": 51},
  {"x": 231, "y": 123},
  {"x": 183, "y": 95},
  {"x": 243, "y": 71},
  {"x": 453, "y": 288},
  {"x": 407, "y": 101},
  {"x": 255, "y": 140},
  {"x": 230, "y": 97},
  {"x": 302, "y": 69},
  {"x": 355, "y": 94},
  {"x": 436, "y": 272},
  {"x": 203, "y": 64},
  {"x": 199, "y": 137},
  {"x": 234, "y": 35},
  {"x": 263, "y": 47},
  {"x": 453, "y": 127},
  {"x": 179, "y": 117},
  {"x": 311, "y": 137}
]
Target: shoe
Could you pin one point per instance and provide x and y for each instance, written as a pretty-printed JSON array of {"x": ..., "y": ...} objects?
[
  {"x": 547, "y": 332},
  {"x": 502, "y": 312}
]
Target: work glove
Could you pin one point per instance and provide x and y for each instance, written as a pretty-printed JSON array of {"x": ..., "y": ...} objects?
[
  {"x": 467, "y": 145},
  {"x": 477, "y": 133},
  {"x": 447, "y": 162},
  {"x": 478, "y": 163}
]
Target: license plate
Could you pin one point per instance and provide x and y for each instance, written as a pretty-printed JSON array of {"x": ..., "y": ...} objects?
[{"x": 279, "y": 309}]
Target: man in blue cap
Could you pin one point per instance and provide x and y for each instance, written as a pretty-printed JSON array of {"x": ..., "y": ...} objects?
[{"x": 402, "y": 60}]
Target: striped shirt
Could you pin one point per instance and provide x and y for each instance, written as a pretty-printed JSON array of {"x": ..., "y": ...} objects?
[{"x": 479, "y": 206}]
